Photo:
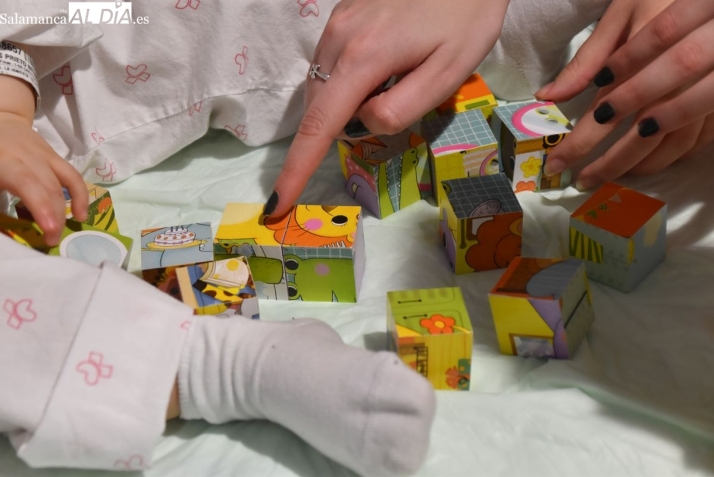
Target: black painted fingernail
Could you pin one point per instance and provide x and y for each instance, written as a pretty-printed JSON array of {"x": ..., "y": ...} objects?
[
  {"x": 355, "y": 128},
  {"x": 604, "y": 113},
  {"x": 604, "y": 77},
  {"x": 648, "y": 127},
  {"x": 271, "y": 204}
]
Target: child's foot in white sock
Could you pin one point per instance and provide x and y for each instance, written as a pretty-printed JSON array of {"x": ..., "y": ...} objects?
[{"x": 366, "y": 410}]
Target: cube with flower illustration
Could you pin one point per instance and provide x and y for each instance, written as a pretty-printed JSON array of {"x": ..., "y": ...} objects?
[
  {"x": 386, "y": 173},
  {"x": 460, "y": 145},
  {"x": 620, "y": 234},
  {"x": 542, "y": 308},
  {"x": 100, "y": 213},
  {"x": 431, "y": 332},
  {"x": 481, "y": 222},
  {"x": 526, "y": 132}
]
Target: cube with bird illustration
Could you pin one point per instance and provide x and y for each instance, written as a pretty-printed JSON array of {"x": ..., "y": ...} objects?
[
  {"x": 460, "y": 145},
  {"x": 480, "y": 223},
  {"x": 386, "y": 173},
  {"x": 431, "y": 332},
  {"x": 526, "y": 132},
  {"x": 620, "y": 234},
  {"x": 542, "y": 307},
  {"x": 100, "y": 213},
  {"x": 312, "y": 253}
]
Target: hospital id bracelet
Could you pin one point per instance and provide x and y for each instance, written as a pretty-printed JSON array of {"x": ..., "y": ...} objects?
[{"x": 15, "y": 62}]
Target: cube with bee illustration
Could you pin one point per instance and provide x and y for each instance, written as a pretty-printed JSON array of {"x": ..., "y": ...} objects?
[
  {"x": 431, "y": 332},
  {"x": 526, "y": 132}
]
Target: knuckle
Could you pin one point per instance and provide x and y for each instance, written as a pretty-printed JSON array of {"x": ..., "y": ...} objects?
[
  {"x": 665, "y": 29},
  {"x": 689, "y": 57},
  {"x": 573, "y": 69},
  {"x": 388, "y": 121},
  {"x": 354, "y": 53},
  {"x": 313, "y": 124}
]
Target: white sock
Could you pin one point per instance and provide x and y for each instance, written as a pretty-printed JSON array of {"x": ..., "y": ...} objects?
[
  {"x": 533, "y": 45},
  {"x": 366, "y": 410}
]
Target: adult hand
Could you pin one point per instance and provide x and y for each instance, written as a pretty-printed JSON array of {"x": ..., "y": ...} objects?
[
  {"x": 30, "y": 168},
  {"x": 436, "y": 46},
  {"x": 663, "y": 74}
]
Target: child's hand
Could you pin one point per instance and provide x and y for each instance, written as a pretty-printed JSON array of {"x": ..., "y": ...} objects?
[
  {"x": 435, "y": 45},
  {"x": 31, "y": 170},
  {"x": 663, "y": 74}
]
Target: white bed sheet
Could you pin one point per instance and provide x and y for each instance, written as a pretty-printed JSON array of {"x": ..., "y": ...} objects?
[{"x": 637, "y": 399}]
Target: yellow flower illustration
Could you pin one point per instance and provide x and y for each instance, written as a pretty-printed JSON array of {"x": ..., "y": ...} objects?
[{"x": 531, "y": 167}]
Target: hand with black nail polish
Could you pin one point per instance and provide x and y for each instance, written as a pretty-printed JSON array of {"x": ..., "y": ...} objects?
[
  {"x": 653, "y": 60},
  {"x": 365, "y": 44}
]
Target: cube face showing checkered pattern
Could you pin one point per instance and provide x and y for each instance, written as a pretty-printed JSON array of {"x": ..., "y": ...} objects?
[
  {"x": 620, "y": 234},
  {"x": 542, "y": 308},
  {"x": 431, "y": 332},
  {"x": 526, "y": 132},
  {"x": 460, "y": 145},
  {"x": 480, "y": 223},
  {"x": 386, "y": 173},
  {"x": 313, "y": 253}
]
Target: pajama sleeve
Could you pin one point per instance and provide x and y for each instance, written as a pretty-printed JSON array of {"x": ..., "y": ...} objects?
[
  {"x": 50, "y": 44},
  {"x": 88, "y": 357}
]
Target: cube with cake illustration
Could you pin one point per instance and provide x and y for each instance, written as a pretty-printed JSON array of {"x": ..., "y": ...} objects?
[
  {"x": 542, "y": 308},
  {"x": 431, "y": 332},
  {"x": 480, "y": 223},
  {"x": 100, "y": 213},
  {"x": 386, "y": 173},
  {"x": 176, "y": 245},
  {"x": 620, "y": 234},
  {"x": 79, "y": 241},
  {"x": 312, "y": 253},
  {"x": 460, "y": 145},
  {"x": 526, "y": 132}
]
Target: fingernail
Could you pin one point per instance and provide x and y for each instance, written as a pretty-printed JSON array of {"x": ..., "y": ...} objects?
[
  {"x": 604, "y": 77},
  {"x": 554, "y": 166},
  {"x": 541, "y": 93},
  {"x": 355, "y": 128},
  {"x": 584, "y": 184},
  {"x": 648, "y": 127},
  {"x": 604, "y": 113},
  {"x": 271, "y": 204}
]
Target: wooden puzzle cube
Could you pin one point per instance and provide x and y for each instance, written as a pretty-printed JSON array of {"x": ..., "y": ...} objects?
[
  {"x": 480, "y": 223},
  {"x": 78, "y": 241},
  {"x": 431, "y": 331},
  {"x": 222, "y": 287},
  {"x": 460, "y": 145},
  {"x": 526, "y": 132},
  {"x": 313, "y": 253},
  {"x": 620, "y": 234},
  {"x": 473, "y": 94},
  {"x": 386, "y": 173},
  {"x": 542, "y": 307},
  {"x": 100, "y": 212}
]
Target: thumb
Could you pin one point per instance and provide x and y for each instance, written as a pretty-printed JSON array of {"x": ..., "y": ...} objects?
[{"x": 590, "y": 58}]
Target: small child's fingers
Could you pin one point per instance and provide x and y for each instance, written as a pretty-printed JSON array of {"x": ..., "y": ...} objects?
[
  {"x": 70, "y": 178},
  {"x": 34, "y": 195}
]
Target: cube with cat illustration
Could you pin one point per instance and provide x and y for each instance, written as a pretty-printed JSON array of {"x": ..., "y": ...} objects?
[
  {"x": 542, "y": 307},
  {"x": 386, "y": 173},
  {"x": 460, "y": 145},
  {"x": 431, "y": 331},
  {"x": 620, "y": 234},
  {"x": 526, "y": 132},
  {"x": 312, "y": 253},
  {"x": 481, "y": 222}
]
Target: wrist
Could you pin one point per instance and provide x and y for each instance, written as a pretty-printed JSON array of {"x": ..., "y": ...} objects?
[{"x": 19, "y": 89}]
